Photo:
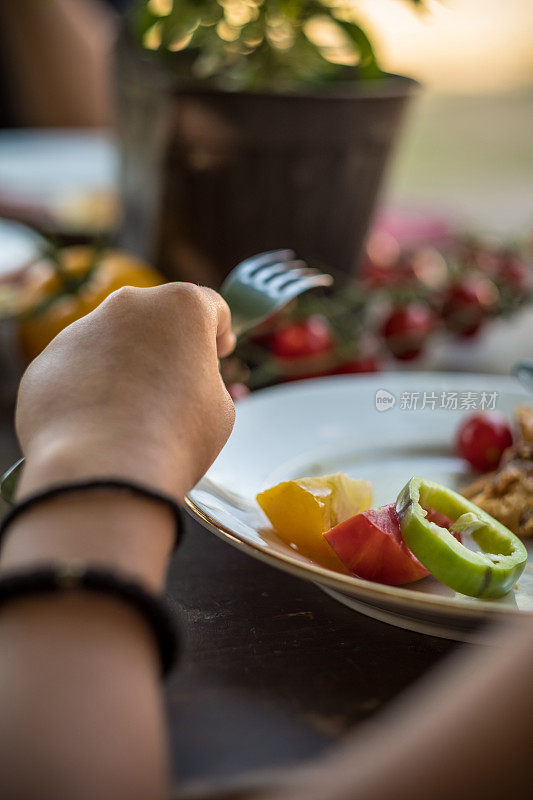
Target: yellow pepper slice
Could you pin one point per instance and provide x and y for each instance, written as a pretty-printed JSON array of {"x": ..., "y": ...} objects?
[{"x": 301, "y": 511}]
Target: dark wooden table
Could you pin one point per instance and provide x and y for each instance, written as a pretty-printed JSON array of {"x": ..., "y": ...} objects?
[{"x": 273, "y": 671}]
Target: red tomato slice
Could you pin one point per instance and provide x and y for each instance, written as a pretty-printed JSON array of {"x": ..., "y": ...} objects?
[{"x": 371, "y": 546}]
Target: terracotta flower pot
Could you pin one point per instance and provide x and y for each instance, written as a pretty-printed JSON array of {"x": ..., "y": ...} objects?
[{"x": 210, "y": 177}]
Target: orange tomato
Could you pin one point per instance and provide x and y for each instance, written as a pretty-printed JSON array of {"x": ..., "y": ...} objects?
[{"x": 54, "y": 295}]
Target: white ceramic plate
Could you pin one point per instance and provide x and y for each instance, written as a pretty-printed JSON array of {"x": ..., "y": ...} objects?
[{"x": 332, "y": 424}]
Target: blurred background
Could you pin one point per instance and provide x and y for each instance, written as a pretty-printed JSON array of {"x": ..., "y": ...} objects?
[
  {"x": 468, "y": 148},
  {"x": 193, "y": 141}
]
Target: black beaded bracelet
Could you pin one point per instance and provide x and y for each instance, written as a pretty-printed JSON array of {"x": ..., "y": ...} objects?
[
  {"x": 74, "y": 487},
  {"x": 67, "y": 577}
]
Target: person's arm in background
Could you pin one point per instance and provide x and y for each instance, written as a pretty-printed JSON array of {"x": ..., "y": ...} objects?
[
  {"x": 465, "y": 733},
  {"x": 132, "y": 390},
  {"x": 57, "y": 56}
]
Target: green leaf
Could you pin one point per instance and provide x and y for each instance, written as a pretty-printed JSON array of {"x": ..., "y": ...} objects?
[
  {"x": 234, "y": 64},
  {"x": 368, "y": 66}
]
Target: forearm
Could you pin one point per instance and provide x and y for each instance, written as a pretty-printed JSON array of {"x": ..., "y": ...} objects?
[
  {"x": 79, "y": 674},
  {"x": 81, "y": 710},
  {"x": 465, "y": 733}
]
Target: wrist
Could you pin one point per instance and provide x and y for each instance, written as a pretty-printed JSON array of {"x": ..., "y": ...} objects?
[
  {"x": 103, "y": 526},
  {"x": 111, "y": 528},
  {"x": 83, "y": 456}
]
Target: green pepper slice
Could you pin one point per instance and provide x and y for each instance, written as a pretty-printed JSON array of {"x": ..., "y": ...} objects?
[{"x": 489, "y": 573}]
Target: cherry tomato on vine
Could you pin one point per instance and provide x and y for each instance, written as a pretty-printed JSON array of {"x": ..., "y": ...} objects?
[
  {"x": 302, "y": 338},
  {"x": 467, "y": 303},
  {"x": 407, "y": 329}
]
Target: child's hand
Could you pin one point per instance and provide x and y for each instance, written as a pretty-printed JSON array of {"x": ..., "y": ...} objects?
[{"x": 132, "y": 389}]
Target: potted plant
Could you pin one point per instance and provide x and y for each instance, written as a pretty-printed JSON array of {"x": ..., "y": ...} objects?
[{"x": 247, "y": 125}]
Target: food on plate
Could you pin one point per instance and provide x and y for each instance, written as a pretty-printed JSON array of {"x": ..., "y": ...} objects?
[
  {"x": 371, "y": 545},
  {"x": 490, "y": 573},
  {"x": 329, "y": 520},
  {"x": 524, "y": 423},
  {"x": 507, "y": 492},
  {"x": 301, "y": 510},
  {"x": 482, "y": 439}
]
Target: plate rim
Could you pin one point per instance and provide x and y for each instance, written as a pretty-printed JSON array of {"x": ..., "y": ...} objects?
[
  {"x": 320, "y": 575},
  {"x": 323, "y": 576}
]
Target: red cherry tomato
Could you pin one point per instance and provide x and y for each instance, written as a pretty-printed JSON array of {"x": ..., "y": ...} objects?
[
  {"x": 371, "y": 546},
  {"x": 482, "y": 438},
  {"x": 301, "y": 339},
  {"x": 467, "y": 303},
  {"x": 407, "y": 329}
]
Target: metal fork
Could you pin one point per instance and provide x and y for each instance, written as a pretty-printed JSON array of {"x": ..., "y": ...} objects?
[
  {"x": 254, "y": 290},
  {"x": 264, "y": 283}
]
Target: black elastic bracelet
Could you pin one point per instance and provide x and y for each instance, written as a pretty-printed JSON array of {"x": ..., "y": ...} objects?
[
  {"x": 73, "y": 487},
  {"x": 54, "y": 578}
]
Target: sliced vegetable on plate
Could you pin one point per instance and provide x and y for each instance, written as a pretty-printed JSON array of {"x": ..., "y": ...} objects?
[
  {"x": 329, "y": 520},
  {"x": 301, "y": 510},
  {"x": 489, "y": 573},
  {"x": 371, "y": 546}
]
